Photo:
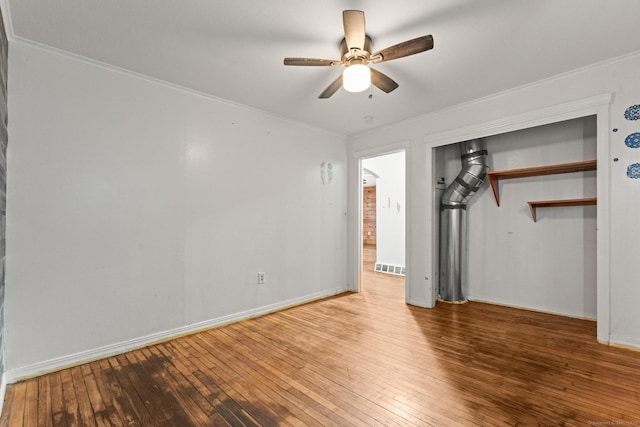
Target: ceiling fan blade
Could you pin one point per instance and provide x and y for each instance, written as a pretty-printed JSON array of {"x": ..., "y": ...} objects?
[
  {"x": 400, "y": 50},
  {"x": 382, "y": 81},
  {"x": 332, "y": 88},
  {"x": 354, "y": 29},
  {"x": 317, "y": 62}
]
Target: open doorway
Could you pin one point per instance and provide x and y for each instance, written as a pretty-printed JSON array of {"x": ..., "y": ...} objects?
[{"x": 383, "y": 225}]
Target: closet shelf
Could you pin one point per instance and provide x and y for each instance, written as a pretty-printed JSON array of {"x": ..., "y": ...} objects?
[
  {"x": 557, "y": 203},
  {"x": 496, "y": 176}
]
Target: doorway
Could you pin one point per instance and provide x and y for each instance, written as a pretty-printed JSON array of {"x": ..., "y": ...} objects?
[{"x": 383, "y": 225}]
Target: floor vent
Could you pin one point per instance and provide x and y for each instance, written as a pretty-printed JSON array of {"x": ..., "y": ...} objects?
[{"x": 390, "y": 269}]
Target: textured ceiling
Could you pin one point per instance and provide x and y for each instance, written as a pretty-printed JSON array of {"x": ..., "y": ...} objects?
[{"x": 234, "y": 49}]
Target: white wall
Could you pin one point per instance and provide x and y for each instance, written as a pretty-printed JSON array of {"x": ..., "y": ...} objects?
[
  {"x": 548, "y": 265},
  {"x": 617, "y": 77},
  {"x": 136, "y": 208},
  {"x": 390, "y": 207}
]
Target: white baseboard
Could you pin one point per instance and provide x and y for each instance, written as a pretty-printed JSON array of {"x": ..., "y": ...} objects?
[
  {"x": 24, "y": 372},
  {"x": 624, "y": 342},
  {"x": 419, "y": 303},
  {"x": 547, "y": 310}
]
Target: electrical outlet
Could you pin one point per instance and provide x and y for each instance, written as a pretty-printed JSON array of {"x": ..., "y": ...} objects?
[{"x": 261, "y": 277}]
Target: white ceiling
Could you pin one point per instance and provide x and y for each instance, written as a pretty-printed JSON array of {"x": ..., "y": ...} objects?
[{"x": 234, "y": 49}]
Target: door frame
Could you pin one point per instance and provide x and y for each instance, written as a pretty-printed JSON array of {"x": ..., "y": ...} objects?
[{"x": 356, "y": 205}]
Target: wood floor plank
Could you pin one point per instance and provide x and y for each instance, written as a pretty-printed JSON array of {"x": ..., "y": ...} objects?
[
  {"x": 45, "y": 412},
  {"x": 31, "y": 404},
  {"x": 191, "y": 391},
  {"x": 334, "y": 373},
  {"x": 156, "y": 395},
  {"x": 70, "y": 402},
  {"x": 129, "y": 397},
  {"x": 110, "y": 394},
  {"x": 352, "y": 360},
  {"x": 15, "y": 402},
  {"x": 58, "y": 407},
  {"x": 287, "y": 367},
  {"x": 85, "y": 410},
  {"x": 201, "y": 394},
  {"x": 103, "y": 412},
  {"x": 281, "y": 370},
  {"x": 202, "y": 368},
  {"x": 263, "y": 409},
  {"x": 187, "y": 397},
  {"x": 95, "y": 399},
  {"x": 339, "y": 371},
  {"x": 290, "y": 408}
]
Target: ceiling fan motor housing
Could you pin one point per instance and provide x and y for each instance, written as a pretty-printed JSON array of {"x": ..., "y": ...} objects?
[{"x": 360, "y": 56}]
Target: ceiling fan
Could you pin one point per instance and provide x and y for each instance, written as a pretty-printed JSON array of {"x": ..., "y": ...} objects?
[{"x": 356, "y": 53}]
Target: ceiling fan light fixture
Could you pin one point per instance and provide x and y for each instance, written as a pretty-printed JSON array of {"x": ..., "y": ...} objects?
[
  {"x": 356, "y": 78},
  {"x": 356, "y": 51}
]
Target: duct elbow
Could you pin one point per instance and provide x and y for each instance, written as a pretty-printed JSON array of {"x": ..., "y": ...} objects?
[{"x": 473, "y": 154}]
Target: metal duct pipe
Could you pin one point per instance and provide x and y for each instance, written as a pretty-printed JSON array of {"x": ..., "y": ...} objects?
[{"x": 453, "y": 218}]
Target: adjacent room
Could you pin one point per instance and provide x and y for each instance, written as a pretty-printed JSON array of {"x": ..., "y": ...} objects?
[
  {"x": 384, "y": 222},
  {"x": 319, "y": 213}
]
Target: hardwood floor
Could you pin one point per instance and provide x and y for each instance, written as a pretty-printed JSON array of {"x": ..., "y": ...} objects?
[
  {"x": 356, "y": 359},
  {"x": 384, "y": 285}
]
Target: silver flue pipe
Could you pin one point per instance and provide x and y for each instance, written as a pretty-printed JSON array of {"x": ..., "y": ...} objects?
[{"x": 453, "y": 218}]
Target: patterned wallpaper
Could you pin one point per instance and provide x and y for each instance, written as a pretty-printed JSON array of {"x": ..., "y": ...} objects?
[{"x": 3, "y": 174}]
